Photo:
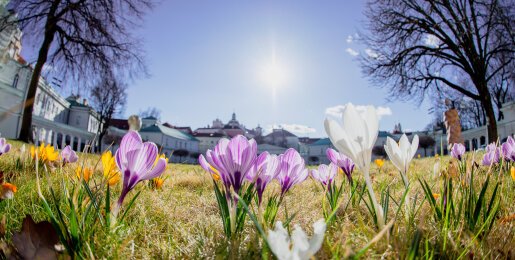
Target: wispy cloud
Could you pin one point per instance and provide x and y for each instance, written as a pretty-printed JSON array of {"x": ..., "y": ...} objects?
[
  {"x": 352, "y": 52},
  {"x": 337, "y": 111},
  {"x": 371, "y": 53},
  {"x": 294, "y": 128},
  {"x": 431, "y": 40},
  {"x": 352, "y": 38}
]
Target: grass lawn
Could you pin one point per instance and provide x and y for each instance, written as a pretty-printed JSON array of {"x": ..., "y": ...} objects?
[{"x": 182, "y": 220}]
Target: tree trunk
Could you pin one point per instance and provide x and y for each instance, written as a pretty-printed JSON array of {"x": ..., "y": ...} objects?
[
  {"x": 26, "y": 126},
  {"x": 492, "y": 122},
  {"x": 488, "y": 108}
]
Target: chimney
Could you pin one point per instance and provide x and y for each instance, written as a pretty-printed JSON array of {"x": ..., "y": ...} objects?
[{"x": 85, "y": 102}]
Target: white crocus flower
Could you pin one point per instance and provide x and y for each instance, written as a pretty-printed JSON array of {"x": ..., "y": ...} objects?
[
  {"x": 401, "y": 154},
  {"x": 298, "y": 247},
  {"x": 356, "y": 138}
]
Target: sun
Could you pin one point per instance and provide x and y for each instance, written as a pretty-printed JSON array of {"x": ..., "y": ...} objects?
[{"x": 274, "y": 74}]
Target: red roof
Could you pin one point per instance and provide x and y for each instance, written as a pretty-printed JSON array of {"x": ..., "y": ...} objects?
[{"x": 119, "y": 123}]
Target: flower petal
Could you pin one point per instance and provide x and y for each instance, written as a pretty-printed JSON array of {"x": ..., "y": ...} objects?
[
  {"x": 279, "y": 241},
  {"x": 317, "y": 239},
  {"x": 158, "y": 169},
  {"x": 414, "y": 146},
  {"x": 143, "y": 160}
]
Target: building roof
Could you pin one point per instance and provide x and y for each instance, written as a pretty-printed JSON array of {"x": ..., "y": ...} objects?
[
  {"x": 169, "y": 132},
  {"x": 119, "y": 123},
  {"x": 184, "y": 129},
  {"x": 280, "y": 133},
  {"x": 323, "y": 141},
  {"x": 384, "y": 134},
  {"x": 308, "y": 140},
  {"x": 196, "y": 134},
  {"x": 74, "y": 103}
]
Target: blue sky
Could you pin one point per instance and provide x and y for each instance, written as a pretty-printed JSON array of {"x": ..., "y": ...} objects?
[{"x": 209, "y": 58}]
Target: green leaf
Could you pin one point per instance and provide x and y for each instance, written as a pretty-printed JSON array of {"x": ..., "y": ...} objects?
[
  {"x": 254, "y": 220},
  {"x": 413, "y": 250},
  {"x": 108, "y": 207},
  {"x": 479, "y": 202},
  {"x": 224, "y": 209},
  {"x": 430, "y": 198}
]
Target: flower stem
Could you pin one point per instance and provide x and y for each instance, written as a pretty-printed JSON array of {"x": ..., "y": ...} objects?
[{"x": 377, "y": 207}]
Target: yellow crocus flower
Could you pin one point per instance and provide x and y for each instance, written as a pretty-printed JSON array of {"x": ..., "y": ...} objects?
[
  {"x": 51, "y": 153},
  {"x": 215, "y": 174},
  {"x": 45, "y": 153},
  {"x": 162, "y": 156},
  {"x": 436, "y": 195},
  {"x": 85, "y": 173},
  {"x": 379, "y": 162},
  {"x": 110, "y": 169},
  {"x": 113, "y": 179},
  {"x": 512, "y": 170},
  {"x": 158, "y": 182}
]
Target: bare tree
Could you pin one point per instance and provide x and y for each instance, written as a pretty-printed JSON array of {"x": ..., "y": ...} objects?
[
  {"x": 423, "y": 45},
  {"x": 109, "y": 97},
  {"x": 502, "y": 85},
  {"x": 79, "y": 38},
  {"x": 151, "y": 112}
]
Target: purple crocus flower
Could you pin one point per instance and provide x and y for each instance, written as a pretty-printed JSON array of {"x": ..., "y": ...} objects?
[
  {"x": 508, "y": 149},
  {"x": 68, "y": 155},
  {"x": 136, "y": 161},
  {"x": 293, "y": 170},
  {"x": 492, "y": 155},
  {"x": 457, "y": 151},
  {"x": 325, "y": 173},
  {"x": 4, "y": 146},
  {"x": 342, "y": 161},
  {"x": 233, "y": 159},
  {"x": 263, "y": 172}
]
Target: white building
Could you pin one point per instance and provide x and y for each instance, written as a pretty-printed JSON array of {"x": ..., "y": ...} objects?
[
  {"x": 478, "y": 137},
  {"x": 316, "y": 152},
  {"x": 55, "y": 120},
  {"x": 182, "y": 147},
  {"x": 271, "y": 149},
  {"x": 208, "y": 140},
  {"x": 283, "y": 138}
]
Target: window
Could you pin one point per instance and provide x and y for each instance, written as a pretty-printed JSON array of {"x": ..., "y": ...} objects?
[{"x": 15, "y": 81}]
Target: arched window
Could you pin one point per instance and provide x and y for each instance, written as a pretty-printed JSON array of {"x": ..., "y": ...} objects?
[
  {"x": 482, "y": 140},
  {"x": 474, "y": 144},
  {"x": 15, "y": 81}
]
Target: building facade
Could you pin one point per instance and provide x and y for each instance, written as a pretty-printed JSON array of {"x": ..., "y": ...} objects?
[{"x": 55, "y": 120}]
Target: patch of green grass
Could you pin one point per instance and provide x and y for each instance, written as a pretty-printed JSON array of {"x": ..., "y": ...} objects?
[{"x": 181, "y": 220}]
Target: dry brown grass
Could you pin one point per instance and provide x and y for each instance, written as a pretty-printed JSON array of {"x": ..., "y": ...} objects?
[{"x": 182, "y": 220}]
